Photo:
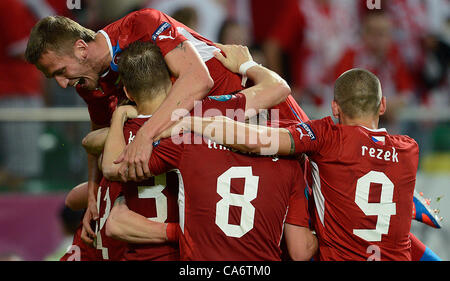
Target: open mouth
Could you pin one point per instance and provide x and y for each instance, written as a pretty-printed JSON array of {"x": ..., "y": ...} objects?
[{"x": 80, "y": 82}]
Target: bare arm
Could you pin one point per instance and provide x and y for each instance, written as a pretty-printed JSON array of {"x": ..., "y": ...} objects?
[
  {"x": 94, "y": 142},
  {"x": 193, "y": 83},
  {"x": 115, "y": 142},
  {"x": 126, "y": 225},
  {"x": 241, "y": 136},
  {"x": 77, "y": 198},
  {"x": 301, "y": 242},
  {"x": 94, "y": 177},
  {"x": 269, "y": 88}
]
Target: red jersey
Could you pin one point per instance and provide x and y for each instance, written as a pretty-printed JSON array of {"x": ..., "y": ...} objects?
[
  {"x": 231, "y": 206},
  {"x": 80, "y": 251},
  {"x": 156, "y": 199},
  {"x": 107, "y": 248},
  {"x": 363, "y": 184},
  {"x": 149, "y": 25}
]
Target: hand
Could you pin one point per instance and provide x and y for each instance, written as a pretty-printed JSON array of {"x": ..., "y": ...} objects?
[
  {"x": 87, "y": 234},
  {"x": 127, "y": 111},
  {"x": 235, "y": 56},
  {"x": 135, "y": 158}
]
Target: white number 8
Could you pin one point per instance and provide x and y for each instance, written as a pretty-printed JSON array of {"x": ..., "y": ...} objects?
[
  {"x": 383, "y": 210},
  {"x": 241, "y": 200}
]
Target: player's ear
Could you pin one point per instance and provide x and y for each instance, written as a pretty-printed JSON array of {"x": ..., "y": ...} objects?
[
  {"x": 335, "y": 109},
  {"x": 382, "y": 108},
  {"x": 80, "y": 49},
  {"x": 126, "y": 93}
]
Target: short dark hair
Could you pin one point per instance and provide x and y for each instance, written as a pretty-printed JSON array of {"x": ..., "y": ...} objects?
[
  {"x": 55, "y": 33},
  {"x": 358, "y": 93},
  {"x": 143, "y": 70},
  {"x": 71, "y": 219}
]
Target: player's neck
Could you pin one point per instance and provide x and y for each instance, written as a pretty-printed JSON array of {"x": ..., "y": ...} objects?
[
  {"x": 370, "y": 123},
  {"x": 100, "y": 52},
  {"x": 149, "y": 106}
]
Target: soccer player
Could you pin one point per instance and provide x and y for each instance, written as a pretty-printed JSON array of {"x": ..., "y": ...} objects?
[
  {"x": 154, "y": 198},
  {"x": 231, "y": 207},
  {"x": 162, "y": 204},
  {"x": 106, "y": 248},
  {"x": 79, "y": 57},
  {"x": 76, "y": 200},
  {"x": 363, "y": 178}
]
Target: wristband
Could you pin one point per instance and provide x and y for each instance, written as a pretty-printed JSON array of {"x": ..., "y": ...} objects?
[
  {"x": 243, "y": 70},
  {"x": 172, "y": 232},
  {"x": 245, "y": 66}
]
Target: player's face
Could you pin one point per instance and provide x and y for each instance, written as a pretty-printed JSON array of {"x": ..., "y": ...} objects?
[{"x": 68, "y": 70}]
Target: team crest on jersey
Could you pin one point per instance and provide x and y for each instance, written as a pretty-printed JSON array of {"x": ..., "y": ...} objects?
[
  {"x": 222, "y": 98},
  {"x": 308, "y": 130},
  {"x": 164, "y": 26}
]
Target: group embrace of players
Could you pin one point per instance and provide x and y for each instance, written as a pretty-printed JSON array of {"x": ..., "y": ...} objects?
[{"x": 214, "y": 186}]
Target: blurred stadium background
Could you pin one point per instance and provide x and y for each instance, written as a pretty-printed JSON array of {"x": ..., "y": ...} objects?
[{"x": 309, "y": 42}]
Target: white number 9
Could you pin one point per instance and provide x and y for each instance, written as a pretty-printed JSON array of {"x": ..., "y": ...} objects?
[{"x": 383, "y": 210}]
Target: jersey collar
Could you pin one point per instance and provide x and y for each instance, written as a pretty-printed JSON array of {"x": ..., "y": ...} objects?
[
  {"x": 381, "y": 130},
  {"x": 144, "y": 116},
  {"x": 108, "y": 41}
]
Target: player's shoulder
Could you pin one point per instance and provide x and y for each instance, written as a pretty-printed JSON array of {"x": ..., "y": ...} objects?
[
  {"x": 289, "y": 168},
  {"x": 113, "y": 188},
  {"x": 136, "y": 122},
  {"x": 145, "y": 12},
  {"x": 322, "y": 126},
  {"x": 319, "y": 129},
  {"x": 221, "y": 105},
  {"x": 132, "y": 126},
  {"x": 149, "y": 11},
  {"x": 224, "y": 98},
  {"x": 324, "y": 122},
  {"x": 133, "y": 19},
  {"x": 403, "y": 142},
  {"x": 145, "y": 16}
]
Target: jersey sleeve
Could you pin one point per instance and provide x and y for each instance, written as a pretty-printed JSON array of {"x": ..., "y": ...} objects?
[
  {"x": 298, "y": 203},
  {"x": 232, "y": 106},
  {"x": 166, "y": 156},
  {"x": 313, "y": 136},
  {"x": 147, "y": 25}
]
